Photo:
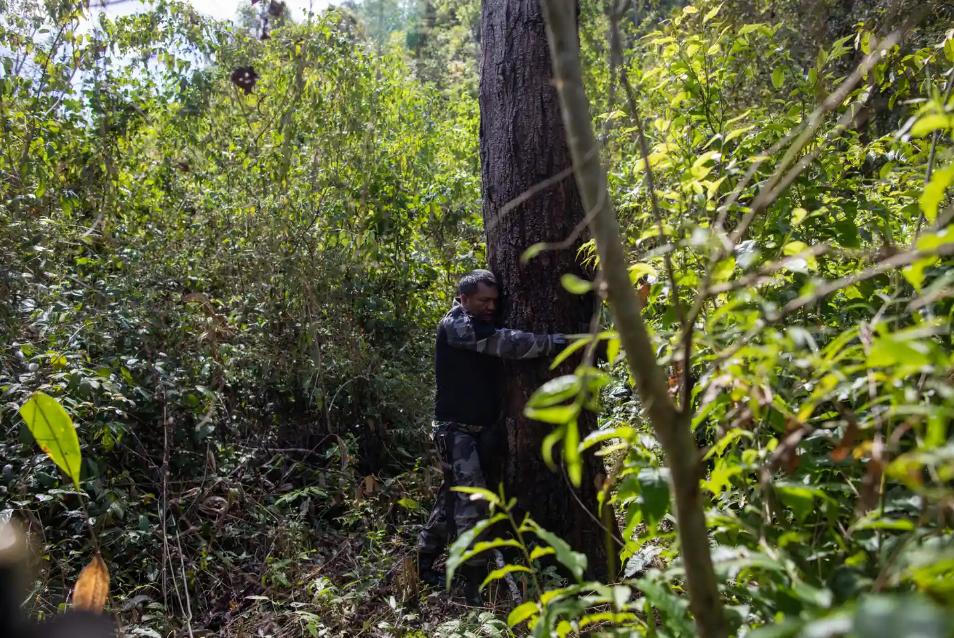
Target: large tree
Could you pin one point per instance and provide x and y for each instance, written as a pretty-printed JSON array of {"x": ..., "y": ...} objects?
[{"x": 523, "y": 154}]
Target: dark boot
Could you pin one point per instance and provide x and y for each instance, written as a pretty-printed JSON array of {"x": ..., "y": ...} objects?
[
  {"x": 473, "y": 576},
  {"x": 426, "y": 572}
]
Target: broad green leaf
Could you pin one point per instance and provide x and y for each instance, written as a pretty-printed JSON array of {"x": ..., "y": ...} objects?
[
  {"x": 557, "y": 414},
  {"x": 934, "y": 192},
  {"x": 730, "y": 437},
  {"x": 522, "y": 612},
  {"x": 575, "y": 285},
  {"x": 653, "y": 495},
  {"x": 555, "y": 391},
  {"x": 874, "y": 521},
  {"x": 721, "y": 476},
  {"x": 930, "y": 123},
  {"x": 901, "y": 616},
  {"x": 639, "y": 270},
  {"x": 899, "y": 350},
  {"x": 573, "y": 561},
  {"x": 915, "y": 272},
  {"x": 612, "y": 349},
  {"x": 793, "y": 248},
  {"x": 409, "y": 503},
  {"x": 797, "y": 498},
  {"x": 53, "y": 430},
  {"x": 778, "y": 77},
  {"x": 723, "y": 270},
  {"x": 711, "y": 14}
]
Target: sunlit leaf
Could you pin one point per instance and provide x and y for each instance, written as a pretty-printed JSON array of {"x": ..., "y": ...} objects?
[{"x": 53, "y": 430}]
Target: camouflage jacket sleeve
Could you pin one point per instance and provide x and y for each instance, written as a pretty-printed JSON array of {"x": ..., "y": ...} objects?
[{"x": 466, "y": 333}]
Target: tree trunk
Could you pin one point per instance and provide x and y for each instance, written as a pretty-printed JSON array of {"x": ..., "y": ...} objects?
[{"x": 522, "y": 144}]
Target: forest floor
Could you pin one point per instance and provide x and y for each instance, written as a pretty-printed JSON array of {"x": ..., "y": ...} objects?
[{"x": 315, "y": 559}]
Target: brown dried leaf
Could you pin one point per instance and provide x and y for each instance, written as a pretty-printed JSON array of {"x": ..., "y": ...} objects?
[{"x": 92, "y": 586}]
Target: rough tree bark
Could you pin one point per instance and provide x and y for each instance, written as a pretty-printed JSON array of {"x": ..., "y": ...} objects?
[{"x": 522, "y": 144}]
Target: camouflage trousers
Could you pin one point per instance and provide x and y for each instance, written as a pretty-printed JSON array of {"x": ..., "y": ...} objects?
[{"x": 458, "y": 446}]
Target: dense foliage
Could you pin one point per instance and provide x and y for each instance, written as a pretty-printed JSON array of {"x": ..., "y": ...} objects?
[{"x": 224, "y": 256}]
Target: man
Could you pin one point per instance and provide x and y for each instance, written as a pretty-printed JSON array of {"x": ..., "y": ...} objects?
[{"x": 467, "y": 360}]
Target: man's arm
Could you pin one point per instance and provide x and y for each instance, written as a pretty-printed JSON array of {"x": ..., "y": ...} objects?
[{"x": 500, "y": 342}]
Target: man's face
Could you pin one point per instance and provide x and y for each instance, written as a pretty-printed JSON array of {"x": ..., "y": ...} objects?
[{"x": 482, "y": 304}]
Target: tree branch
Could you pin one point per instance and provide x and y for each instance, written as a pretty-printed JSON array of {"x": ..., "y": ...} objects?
[{"x": 670, "y": 425}]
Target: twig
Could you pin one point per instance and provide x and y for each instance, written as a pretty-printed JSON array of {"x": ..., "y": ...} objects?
[
  {"x": 901, "y": 259},
  {"x": 766, "y": 271},
  {"x": 185, "y": 586},
  {"x": 166, "y": 557}
]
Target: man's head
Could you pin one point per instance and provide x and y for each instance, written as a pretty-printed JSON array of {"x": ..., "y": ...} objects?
[{"x": 478, "y": 294}]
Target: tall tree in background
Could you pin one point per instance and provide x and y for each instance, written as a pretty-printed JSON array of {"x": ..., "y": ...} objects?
[{"x": 522, "y": 144}]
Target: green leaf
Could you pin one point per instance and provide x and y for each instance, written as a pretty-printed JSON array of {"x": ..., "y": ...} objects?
[
  {"x": 567, "y": 352},
  {"x": 612, "y": 349},
  {"x": 533, "y": 251},
  {"x": 904, "y": 616},
  {"x": 540, "y": 551},
  {"x": 522, "y": 612},
  {"x": 934, "y": 192},
  {"x": 550, "y": 440},
  {"x": 409, "y": 503},
  {"x": 478, "y": 493},
  {"x": 778, "y": 77},
  {"x": 573, "y": 561},
  {"x": 723, "y": 270},
  {"x": 556, "y": 391},
  {"x": 721, "y": 475},
  {"x": 874, "y": 521},
  {"x": 730, "y": 437},
  {"x": 483, "y": 546},
  {"x": 500, "y": 572},
  {"x": 53, "y": 430},
  {"x": 915, "y": 272},
  {"x": 673, "y": 609},
  {"x": 571, "y": 453},
  {"x": 653, "y": 495},
  {"x": 930, "y": 123},
  {"x": 798, "y": 216},
  {"x": 799, "y": 499},
  {"x": 557, "y": 414},
  {"x": 639, "y": 270},
  {"x": 793, "y": 248},
  {"x": 575, "y": 285},
  {"x": 898, "y": 350},
  {"x": 457, "y": 551}
]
